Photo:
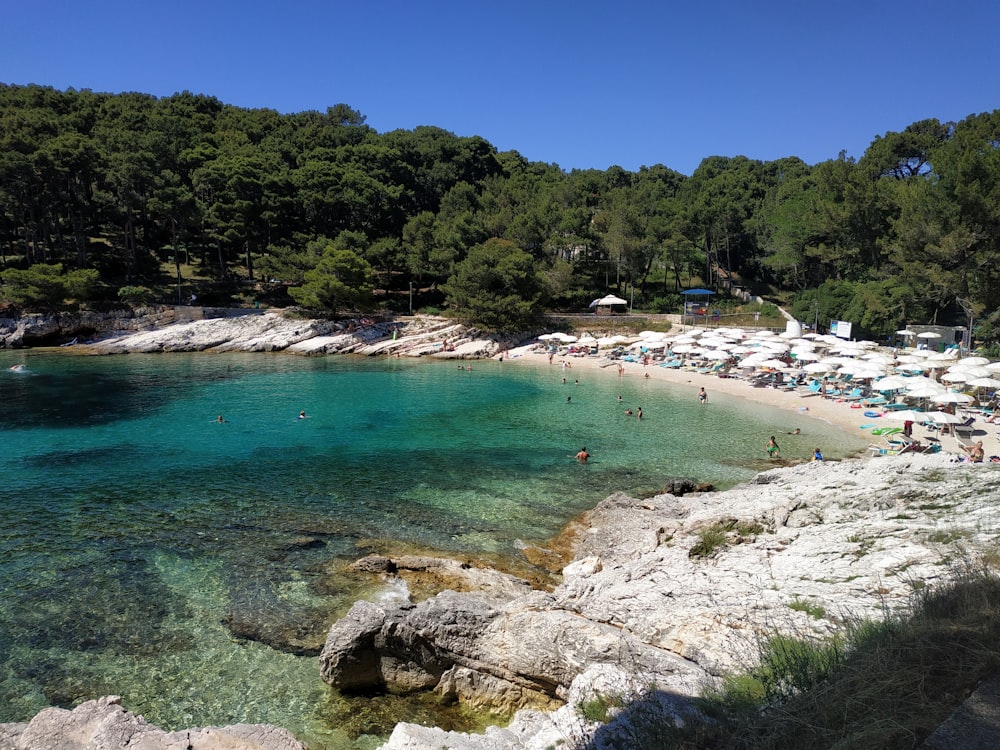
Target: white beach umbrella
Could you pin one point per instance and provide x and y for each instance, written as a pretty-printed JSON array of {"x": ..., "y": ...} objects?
[
  {"x": 740, "y": 349},
  {"x": 905, "y": 332},
  {"x": 684, "y": 349},
  {"x": 942, "y": 417},
  {"x": 805, "y": 356},
  {"x": 717, "y": 354},
  {"x": 816, "y": 367},
  {"x": 984, "y": 382},
  {"x": 928, "y": 335},
  {"x": 906, "y": 415},
  {"x": 954, "y": 377},
  {"x": 923, "y": 391},
  {"x": 912, "y": 367},
  {"x": 774, "y": 364},
  {"x": 891, "y": 383},
  {"x": 810, "y": 335},
  {"x": 950, "y": 397},
  {"x": 587, "y": 339},
  {"x": 776, "y": 346},
  {"x": 867, "y": 374},
  {"x": 972, "y": 371},
  {"x": 973, "y": 361}
]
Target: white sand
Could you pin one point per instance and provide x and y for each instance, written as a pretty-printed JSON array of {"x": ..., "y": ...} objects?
[{"x": 818, "y": 408}]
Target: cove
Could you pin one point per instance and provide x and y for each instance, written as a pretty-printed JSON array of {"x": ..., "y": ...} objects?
[{"x": 192, "y": 566}]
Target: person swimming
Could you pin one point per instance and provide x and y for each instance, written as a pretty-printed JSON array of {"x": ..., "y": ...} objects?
[
  {"x": 582, "y": 456},
  {"x": 302, "y": 415}
]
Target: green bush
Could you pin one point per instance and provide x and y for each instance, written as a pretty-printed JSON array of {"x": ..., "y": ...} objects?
[{"x": 136, "y": 295}]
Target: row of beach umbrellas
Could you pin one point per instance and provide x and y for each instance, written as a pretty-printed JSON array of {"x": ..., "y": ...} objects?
[{"x": 816, "y": 355}]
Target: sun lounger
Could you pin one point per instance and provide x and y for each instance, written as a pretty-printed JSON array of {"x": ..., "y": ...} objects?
[{"x": 810, "y": 390}]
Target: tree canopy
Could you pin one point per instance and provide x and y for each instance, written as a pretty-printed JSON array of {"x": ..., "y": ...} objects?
[{"x": 138, "y": 192}]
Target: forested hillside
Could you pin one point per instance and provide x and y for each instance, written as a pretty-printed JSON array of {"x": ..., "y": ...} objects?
[{"x": 126, "y": 198}]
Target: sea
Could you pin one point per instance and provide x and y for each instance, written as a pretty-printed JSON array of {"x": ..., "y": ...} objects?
[{"x": 192, "y": 566}]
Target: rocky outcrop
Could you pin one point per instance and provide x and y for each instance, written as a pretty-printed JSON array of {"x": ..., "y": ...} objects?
[
  {"x": 195, "y": 329},
  {"x": 104, "y": 723},
  {"x": 667, "y": 593}
]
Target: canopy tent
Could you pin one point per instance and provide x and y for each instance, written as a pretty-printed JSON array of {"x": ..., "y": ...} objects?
[
  {"x": 694, "y": 308},
  {"x": 609, "y": 301}
]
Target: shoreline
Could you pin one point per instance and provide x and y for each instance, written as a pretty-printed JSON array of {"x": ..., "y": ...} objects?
[{"x": 813, "y": 407}]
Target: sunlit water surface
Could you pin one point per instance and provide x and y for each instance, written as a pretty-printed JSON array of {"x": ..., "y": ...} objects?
[{"x": 148, "y": 551}]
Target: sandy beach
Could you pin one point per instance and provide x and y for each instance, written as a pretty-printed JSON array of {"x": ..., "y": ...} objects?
[{"x": 812, "y": 407}]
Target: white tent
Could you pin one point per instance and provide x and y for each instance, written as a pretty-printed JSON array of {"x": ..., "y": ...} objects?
[{"x": 608, "y": 301}]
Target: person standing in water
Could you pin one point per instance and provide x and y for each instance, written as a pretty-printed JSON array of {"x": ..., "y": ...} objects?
[
  {"x": 582, "y": 456},
  {"x": 772, "y": 448},
  {"x": 702, "y": 396}
]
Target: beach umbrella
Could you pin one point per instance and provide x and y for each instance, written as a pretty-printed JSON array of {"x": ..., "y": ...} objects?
[
  {"x": 984, "y": 383},
  {"x": 954, "y": 377},
  {"x": 805, "y": 356},
  {"x": 973, "y": 361},
  {"x": 970, "y": 371},
  {"x": 923, "y": 391},
  {"x": 587, "y": 339},
  {"x": 865, "y": 374},
  {"x": 816, "y": 367},
  {"x": 943, "y": 417},
  {"x": 717, "y": 354},
  {"x": 950, "y": 397},
  {"x": 774, "y": 364},
  {"x": 906, "y": 415},
  {"x": 928, "y": 335},
  {"x": 905, "y": 332},
  {"x": 890, "y": 383},
  {"x": 912, "y": 367}
]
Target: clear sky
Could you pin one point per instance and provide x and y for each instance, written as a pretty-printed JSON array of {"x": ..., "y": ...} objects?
[{"x": 581, "y": 84}]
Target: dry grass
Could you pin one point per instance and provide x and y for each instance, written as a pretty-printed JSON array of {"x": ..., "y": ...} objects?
[{"x": 884, "y": 685}]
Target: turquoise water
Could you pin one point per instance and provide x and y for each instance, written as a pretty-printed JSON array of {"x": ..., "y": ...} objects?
[{"x": 191, "y": 566}]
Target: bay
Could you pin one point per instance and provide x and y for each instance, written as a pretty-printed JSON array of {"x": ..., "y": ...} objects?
[{"x": 149, "y": 551}]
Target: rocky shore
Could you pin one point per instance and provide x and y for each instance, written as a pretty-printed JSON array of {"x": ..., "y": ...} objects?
[{"x": 660, "y": 596}]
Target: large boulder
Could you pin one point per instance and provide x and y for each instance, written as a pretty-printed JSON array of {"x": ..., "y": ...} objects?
[{"x": 104, "y": 724}]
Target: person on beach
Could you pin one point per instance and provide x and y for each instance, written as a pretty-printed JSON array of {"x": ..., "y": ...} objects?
[
  {"x": 582, "y": 456},
  {"x": 976, "y": 452},
  {"x": 772, "y": 448},
  {"x": 817, "y": 455},
  {"x": 702, "y": 396}
]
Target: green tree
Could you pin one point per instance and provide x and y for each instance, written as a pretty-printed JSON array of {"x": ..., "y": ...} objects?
[
  {"x": 45, "y": 285},
  {"x": 496, "y": 287},
  {"x": 342, "y": 279}
]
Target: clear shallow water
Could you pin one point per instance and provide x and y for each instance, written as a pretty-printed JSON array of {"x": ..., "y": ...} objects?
[{"x": 141, "y": 541}]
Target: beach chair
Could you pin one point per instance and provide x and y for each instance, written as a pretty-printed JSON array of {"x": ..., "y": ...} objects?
[
  {"x": 874, "y": 401},
  {"x": 855, "y": 395},
  {"x": 810, "y": 390}
]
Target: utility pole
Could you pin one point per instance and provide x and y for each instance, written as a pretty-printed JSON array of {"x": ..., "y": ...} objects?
[
  {"x": 969, "y": 314},
  {"x": 411, "y": 299}
]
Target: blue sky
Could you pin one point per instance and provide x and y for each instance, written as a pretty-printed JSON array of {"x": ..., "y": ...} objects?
[{"x": 580, "y": 84}]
